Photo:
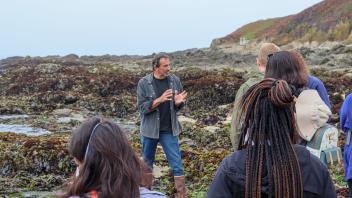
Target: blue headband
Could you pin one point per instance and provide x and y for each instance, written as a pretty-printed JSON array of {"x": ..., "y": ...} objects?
[{"x": 90, "y": 137}]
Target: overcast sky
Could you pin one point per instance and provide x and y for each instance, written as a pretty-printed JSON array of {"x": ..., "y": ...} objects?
[{"x": 98, "y": 27}]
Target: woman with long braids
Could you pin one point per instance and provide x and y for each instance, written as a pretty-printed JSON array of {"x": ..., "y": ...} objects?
[
  {"x": 108, "y": 167},
  {"x": 268, "y": 162}
]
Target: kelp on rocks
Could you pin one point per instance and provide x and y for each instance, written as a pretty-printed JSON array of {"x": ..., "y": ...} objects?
[
  {"x": 201, "y": 152},
  {"x": 209, "y": 89},
  {"x": 38, "y": 163},
  {"x": 336, "y": 83},
  {"x": 42, "y": 163},
  {"x": 105, "y": 89}
]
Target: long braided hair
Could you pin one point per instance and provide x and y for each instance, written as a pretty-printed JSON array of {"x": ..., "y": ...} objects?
[{"x": 268, "y": 133}]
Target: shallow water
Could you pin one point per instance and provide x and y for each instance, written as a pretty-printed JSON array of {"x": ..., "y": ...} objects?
[
  {"x": 23, "y": 129},
  {"x": 11, "y": 117},
  {"x": 37, "y": 194},
  {"x": 126, "y": 125}
]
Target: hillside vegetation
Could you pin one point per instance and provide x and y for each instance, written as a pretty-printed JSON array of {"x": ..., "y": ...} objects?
[{"x": 329, "y": 20}]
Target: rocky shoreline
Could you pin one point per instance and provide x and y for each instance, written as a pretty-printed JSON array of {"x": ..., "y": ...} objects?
[{"x": 57, "y": 93}]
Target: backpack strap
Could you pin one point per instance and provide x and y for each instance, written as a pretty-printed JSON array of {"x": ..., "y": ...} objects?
[{"x": 93, "y": 194}]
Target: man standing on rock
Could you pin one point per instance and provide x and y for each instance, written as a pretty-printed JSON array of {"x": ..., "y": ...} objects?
[{"x": 159, "y": 96}]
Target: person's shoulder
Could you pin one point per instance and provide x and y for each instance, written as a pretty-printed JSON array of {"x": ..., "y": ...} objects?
[
  {"x": 347, "y": 104},
  {"x": 349, "y": 97},
  {"x": 232, "y": 168},
  {"x": 249, "y": 83},
  {"x": 146, "y": 193},
  {"x": 173, "y": 76},
  {"x": 314, "y": 79},
  {"x": 86, "y": 195},
  {"x": 234, "y": 162},
  {"x": 254, "y": 78},
  {"x": 302, "y": 152},
  {"x": 307, "y": 160},
  {"x": 315, "y": 174},
  {"x": 145, "y": 78}
]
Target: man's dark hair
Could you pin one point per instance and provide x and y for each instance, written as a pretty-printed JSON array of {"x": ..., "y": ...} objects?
[{"x": 156, "y": 60}]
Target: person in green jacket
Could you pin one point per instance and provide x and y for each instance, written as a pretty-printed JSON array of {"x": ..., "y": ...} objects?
[{"x": 262, "y": 58}]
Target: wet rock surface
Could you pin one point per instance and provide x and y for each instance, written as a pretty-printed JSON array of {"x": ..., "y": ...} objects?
[{"x": 57, "y": 93}]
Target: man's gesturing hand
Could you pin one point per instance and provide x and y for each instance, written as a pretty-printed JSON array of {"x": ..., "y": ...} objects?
[
  {"x": 166, "y": 96},
  {"x": 181, "y": 97}
]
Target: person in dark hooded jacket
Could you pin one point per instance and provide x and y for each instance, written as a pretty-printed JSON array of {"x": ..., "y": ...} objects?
[{"x": 268, "y": 162}]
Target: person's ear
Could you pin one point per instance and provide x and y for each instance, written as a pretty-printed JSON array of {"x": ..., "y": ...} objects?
[{"x": 261, "y": 67}]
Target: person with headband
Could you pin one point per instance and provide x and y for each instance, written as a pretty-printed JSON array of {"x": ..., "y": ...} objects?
[
  {"x": 107, "y": 166},
  {"x": 268, "y": 162},
  {"x": 346, "y": 126},
  {"x": 160, "y": 96}
]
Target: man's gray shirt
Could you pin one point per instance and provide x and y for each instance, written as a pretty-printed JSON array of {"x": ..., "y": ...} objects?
[{"x": 150, "y": 119}]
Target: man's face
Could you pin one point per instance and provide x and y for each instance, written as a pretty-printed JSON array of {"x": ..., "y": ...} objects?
[{"x": 164, "y": 68}]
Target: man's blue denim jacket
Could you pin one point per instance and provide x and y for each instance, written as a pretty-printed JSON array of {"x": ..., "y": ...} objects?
[{"x": 150, "y": 119}]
